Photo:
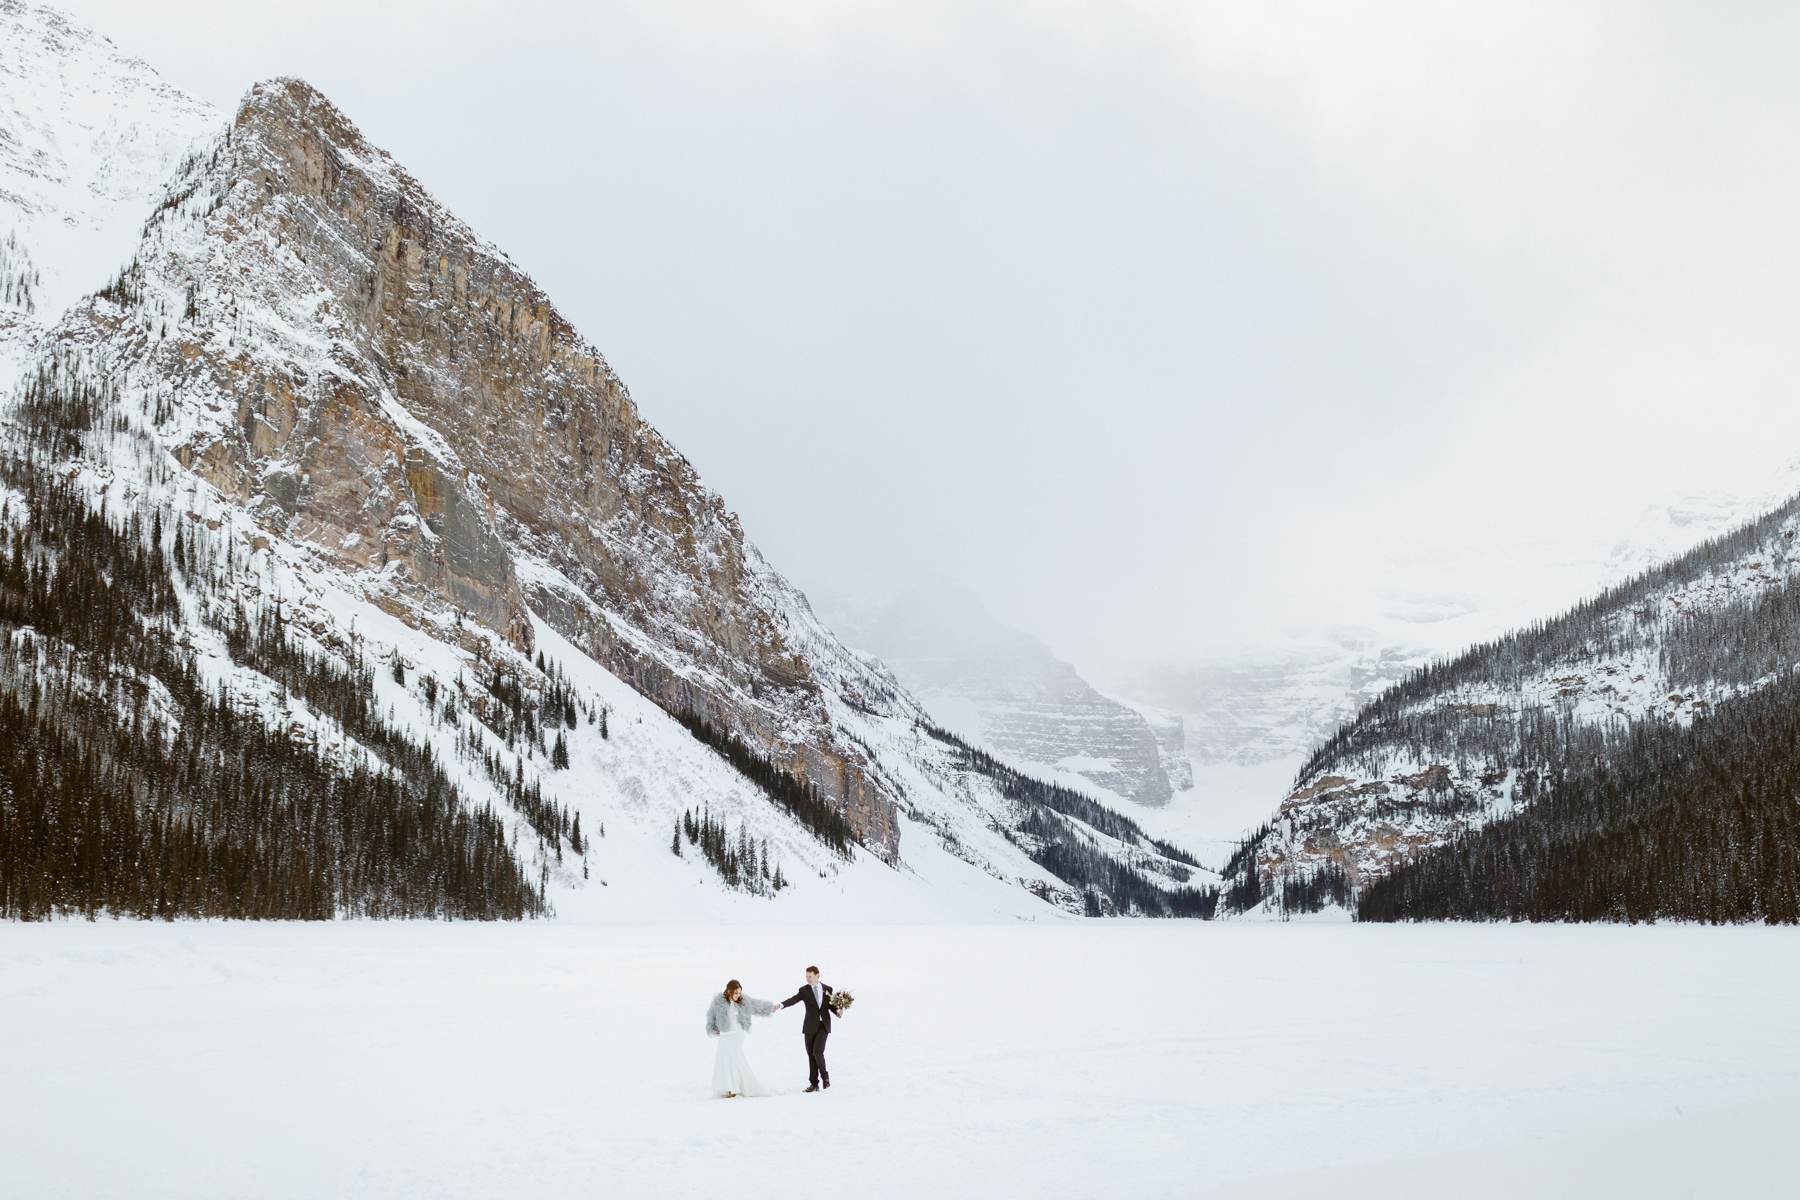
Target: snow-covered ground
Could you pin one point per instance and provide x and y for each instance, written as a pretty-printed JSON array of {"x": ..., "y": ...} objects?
[{"x": 1062, "y": 1059}]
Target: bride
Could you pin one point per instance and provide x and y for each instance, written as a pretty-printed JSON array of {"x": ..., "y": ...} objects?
[{"x": 728, "y": 1019}]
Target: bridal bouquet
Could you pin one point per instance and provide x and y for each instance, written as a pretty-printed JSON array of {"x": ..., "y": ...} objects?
[{"x": 840, "y": 1002}]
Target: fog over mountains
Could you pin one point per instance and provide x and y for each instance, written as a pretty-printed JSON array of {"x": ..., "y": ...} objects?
[{"x": 1005, "y": 689}]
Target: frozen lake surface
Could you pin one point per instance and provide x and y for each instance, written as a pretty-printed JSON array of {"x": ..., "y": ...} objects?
[{"x": 1067, "y": 1060}]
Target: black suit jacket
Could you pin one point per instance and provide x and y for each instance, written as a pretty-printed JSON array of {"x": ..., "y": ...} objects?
[{"x": 818, "y": 1016}]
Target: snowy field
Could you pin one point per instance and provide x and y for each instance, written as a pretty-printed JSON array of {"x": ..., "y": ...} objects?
[{"x": 1066, "y": 1060}]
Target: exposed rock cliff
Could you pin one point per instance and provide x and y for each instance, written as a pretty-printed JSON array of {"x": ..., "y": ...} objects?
[{"x": 319, "y": 339}]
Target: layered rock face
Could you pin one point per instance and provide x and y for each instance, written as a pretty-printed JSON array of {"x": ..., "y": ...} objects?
[
  {"x": 314, "y": 335},
  {"x": 1170, "y": 731},
  {"x": 1038, "y": 710},
  {"x": 1006, "y": 690}
]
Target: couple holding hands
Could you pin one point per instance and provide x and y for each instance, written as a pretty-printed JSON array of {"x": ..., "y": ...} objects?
[{"x": 728, "y": 1020}]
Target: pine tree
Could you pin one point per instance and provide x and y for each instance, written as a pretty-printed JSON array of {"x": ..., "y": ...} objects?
[{"x": 675, "y": 842}]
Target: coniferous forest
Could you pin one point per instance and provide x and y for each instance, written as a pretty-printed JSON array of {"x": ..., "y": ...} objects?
[
  {"x": 1697, "y": 823},
  {"x": 1633, "y": 819},
  {"x": 800, "y": 798},
  {"x": 1737, "y": 642},
  {"x": 131, "y": 787}
]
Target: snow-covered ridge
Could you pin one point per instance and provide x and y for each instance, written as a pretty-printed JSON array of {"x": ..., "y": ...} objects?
[
  {"x": 1444, "y": 752},
  {"x": 88, "y": 137}
]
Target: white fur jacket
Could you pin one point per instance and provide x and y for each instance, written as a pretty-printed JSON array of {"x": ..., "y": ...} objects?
[{"x": 721, "y": 1013}]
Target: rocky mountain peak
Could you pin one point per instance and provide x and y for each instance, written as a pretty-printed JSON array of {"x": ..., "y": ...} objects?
[{"x": 324, "y": 342}]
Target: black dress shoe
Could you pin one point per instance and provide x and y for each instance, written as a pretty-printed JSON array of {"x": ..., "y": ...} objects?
[
  {"x": 812, "y": 1087},
  {"x": 827, "y": 1083}
]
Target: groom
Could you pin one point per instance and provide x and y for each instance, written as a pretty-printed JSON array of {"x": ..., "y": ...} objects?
[{"x": 817, "y": 1026}]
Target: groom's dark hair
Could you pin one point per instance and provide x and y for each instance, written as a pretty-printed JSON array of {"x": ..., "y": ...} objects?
[{"x": 812, "y": 970}]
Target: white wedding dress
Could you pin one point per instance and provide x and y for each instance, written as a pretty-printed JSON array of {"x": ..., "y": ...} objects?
[
  {"x": 729, "y": 1024},
  {"x": 731, "y": 1067}
]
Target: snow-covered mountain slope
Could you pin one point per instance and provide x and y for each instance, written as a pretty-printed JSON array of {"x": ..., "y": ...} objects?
[
  {"x": 1474, "y": 737},
  {"x": 379, "y": 499},
  {"x": 1005, "y": 690},
  {"x": 325, "y": 344},
  {"x": 88, "y": 137},
  {"x": 1252, "y": 718},
  {"x": 1666, "y": 531}
]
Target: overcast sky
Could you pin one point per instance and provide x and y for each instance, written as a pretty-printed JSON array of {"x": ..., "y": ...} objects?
[{"x": 1159, "y": 326}]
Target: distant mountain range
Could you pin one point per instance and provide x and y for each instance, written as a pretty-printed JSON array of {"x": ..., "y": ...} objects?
[{"x": 1006, "y": 690}]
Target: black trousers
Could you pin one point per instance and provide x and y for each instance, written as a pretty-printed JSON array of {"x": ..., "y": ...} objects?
[{"x": 815, "y": 1055}]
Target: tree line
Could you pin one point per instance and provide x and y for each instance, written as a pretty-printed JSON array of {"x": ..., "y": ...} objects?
[
  {"x": 132, "y": 787},
  {"x": 1696, "y": 823},
  {"x": 801, "y": 798}
]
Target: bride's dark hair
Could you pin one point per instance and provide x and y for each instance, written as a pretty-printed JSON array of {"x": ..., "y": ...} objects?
[{"x": 733, "y": 986}]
